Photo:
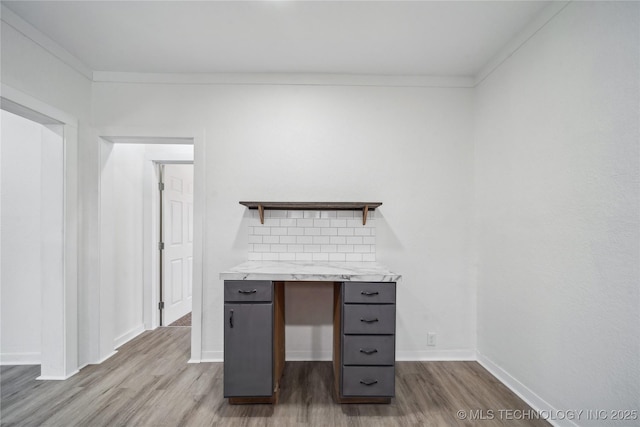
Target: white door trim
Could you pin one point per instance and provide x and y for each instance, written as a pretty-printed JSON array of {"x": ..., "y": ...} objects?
[{"x": 60, "y": 320}]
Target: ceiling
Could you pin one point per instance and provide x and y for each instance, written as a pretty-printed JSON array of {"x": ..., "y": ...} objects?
[{"x": 435, "y": 38}]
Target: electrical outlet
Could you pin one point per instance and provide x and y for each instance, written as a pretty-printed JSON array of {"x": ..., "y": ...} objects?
[{"x": 431, "y": 339}]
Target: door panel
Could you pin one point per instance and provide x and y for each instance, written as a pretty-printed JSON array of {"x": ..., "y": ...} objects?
[
  {"x": 190, "y": 274},
  {"x": 248, "y": 351},
  {"x": 177, "y": 256},
  {"x": 176, "y": 222},
  {"x": 176, "y": 281},
  {"x": 190, "y": 222}
]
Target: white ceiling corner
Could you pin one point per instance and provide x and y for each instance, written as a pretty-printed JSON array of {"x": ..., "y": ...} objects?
[{"x": 35, "y": 35}]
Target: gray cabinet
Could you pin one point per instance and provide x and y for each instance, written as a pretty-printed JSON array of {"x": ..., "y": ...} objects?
[
  {"x": 248, "y": 338},
  {"x": 367, "y": 328}
]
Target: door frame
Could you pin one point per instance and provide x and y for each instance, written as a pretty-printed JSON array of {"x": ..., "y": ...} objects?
[
  {"x": 59, "y": 354},
  {"x": 158, "y": 135}
]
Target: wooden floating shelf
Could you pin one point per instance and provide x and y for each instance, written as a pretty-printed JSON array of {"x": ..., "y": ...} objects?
[{"x": 365, "y": 207}]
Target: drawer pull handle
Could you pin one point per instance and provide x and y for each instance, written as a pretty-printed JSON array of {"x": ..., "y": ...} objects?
[
  {"x": 375, "y": 319},
  {"x": 368, "y": 350},
  {"x": 368, "y": 382},
  {"x": 369, "y": 294},
  {"x": 253, "y": 291}
]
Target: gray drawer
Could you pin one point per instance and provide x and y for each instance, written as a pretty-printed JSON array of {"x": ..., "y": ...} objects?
[
  {"x": 369, "y": 292},
  {"x": 369, "y": 349},
  {"x": 368, "y": 381},
  {"x": 248, "y": 291},
  {"x": 369, "y": 319}
]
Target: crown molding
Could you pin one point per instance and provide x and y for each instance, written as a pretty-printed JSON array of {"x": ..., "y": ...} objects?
[
  {"x": 33, "y": 34},
  {"x": 302, "y": 79},
  {"x": 546, "y": 15}
]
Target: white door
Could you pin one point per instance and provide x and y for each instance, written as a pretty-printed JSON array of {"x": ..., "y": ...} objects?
[{"x": 177, "y": 234}]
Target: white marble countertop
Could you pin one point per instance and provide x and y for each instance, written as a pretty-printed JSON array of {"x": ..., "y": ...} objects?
[{"x": 311, "y": 271}]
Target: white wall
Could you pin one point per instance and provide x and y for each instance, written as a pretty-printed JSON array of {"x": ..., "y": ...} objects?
[
  {"x": 309, "y": 321},
  {"x": 407, "y": 147},
  {"x": 126, "y": 234},
  {"x": 557, "y": 187}
]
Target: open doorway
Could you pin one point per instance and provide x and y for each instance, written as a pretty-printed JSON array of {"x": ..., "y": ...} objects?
[
  {"x": 130, "y": 239},
  {"x": 59, "y": 233},
  {"x": 176, "y": 247},
  {"x": 32, "y": 235}
]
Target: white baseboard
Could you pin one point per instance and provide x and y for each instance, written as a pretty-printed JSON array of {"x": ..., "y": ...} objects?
[
  {"x": 305, "y": 355},
  {"x": 104, "y": 359},
  {"x": 57, "y": 378},
  {"x": 128, "y": 336},
  {"x": 323, "y": 356},
  {"x": 435, "y": 355},
  {"x": 293, "y": 356},
  {"x": 525, "y": 393},
  {"x": 20, "y": 359}
]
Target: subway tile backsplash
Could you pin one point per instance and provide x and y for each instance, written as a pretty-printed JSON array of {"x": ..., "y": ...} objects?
[{"x": 312, "y": 236}]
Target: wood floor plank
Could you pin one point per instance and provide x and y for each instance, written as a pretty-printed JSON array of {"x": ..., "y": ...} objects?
[{"x": 149, "y": 383}]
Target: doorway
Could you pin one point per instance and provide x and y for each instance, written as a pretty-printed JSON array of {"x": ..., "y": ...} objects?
[
  {"x": 130, "y": 233},
  {"x": 167, "y": 146},
  {"x": 59, "y": 291},
  {"x": 32, "y": 237},
  {"x": 31, "y": 224},
  {"x": 176, "y": 247}
]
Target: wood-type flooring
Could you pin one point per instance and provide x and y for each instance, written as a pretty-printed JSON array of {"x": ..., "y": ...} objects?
[
  {"x": 149, "y": 383},
  {"x": 183, "y": 321}
]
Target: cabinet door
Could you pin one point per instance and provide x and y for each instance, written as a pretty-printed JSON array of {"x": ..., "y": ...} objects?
[{"x": 248, "y": 351}]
